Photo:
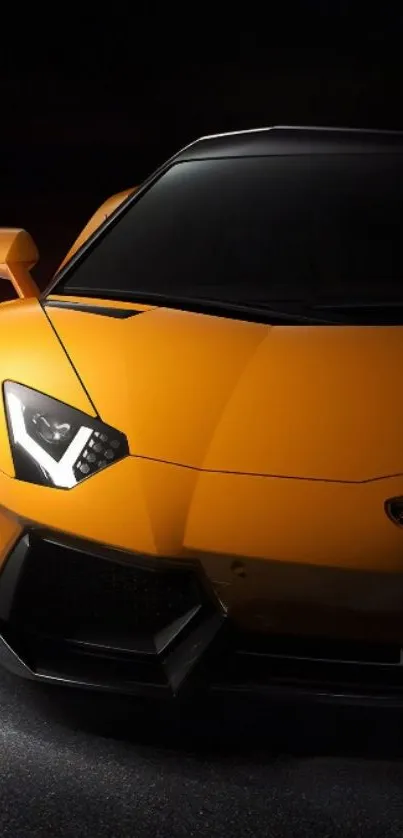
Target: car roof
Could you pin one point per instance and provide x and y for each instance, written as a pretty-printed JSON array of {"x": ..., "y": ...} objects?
[{"x": 291, "y": 140}]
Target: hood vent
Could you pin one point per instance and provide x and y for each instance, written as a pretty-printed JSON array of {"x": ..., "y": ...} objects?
[{"x": 103, "y": 311}]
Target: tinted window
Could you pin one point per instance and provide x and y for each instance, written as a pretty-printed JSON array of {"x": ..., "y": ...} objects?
[{"x": 258, "y": 229}]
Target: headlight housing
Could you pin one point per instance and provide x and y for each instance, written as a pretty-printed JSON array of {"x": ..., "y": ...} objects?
[
  {"x": 54, "y": 444},
  {"x": 394, "y": 510}
]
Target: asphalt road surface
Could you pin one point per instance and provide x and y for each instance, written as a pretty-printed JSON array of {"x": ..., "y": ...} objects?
[{"x": 76, "y": 764}]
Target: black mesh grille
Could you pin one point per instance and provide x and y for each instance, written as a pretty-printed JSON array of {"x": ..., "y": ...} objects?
[{"x": 71, "y": 594}]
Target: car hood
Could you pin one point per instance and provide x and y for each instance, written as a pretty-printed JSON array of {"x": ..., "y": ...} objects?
[{"x": 220, "y": 394}]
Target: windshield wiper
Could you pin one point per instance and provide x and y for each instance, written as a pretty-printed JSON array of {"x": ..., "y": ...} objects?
[
  {"x": 201, "y": 305},
  {"x": 297, "y": 316}
]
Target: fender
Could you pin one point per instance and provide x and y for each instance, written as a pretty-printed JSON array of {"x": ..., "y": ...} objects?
[{"x": 102, "y": 213}]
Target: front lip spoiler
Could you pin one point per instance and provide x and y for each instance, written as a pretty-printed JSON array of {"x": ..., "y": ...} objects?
[{"x": 10, "y": 660}]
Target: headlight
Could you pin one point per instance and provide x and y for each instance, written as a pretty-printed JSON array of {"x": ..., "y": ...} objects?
[{"x": 54, "y": 444}]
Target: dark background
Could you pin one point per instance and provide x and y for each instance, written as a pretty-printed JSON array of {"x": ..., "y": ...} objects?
[{"x": 92, "y": 106}]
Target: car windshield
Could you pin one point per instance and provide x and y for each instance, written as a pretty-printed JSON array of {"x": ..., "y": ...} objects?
[{"x": 290, "y": 232}]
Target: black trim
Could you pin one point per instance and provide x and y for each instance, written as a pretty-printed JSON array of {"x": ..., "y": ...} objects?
[
  {"x": 13, "y": 663},
  {"x": 118, "y": 313},
  {"x": 217, "y": 308},
  {"x": 285, "y": 140},
  {"x": 295, "y": 670}
]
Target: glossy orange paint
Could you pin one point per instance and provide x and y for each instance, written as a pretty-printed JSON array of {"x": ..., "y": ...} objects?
[
  {"x": 102, "y": 213},
  {"x": 213, "y": 393},
  {"x": 10, "y": 530},
  {"x": 267, "y": 452},
  {"x": 18, "y": 254}
]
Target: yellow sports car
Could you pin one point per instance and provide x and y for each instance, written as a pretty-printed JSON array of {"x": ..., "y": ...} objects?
[{"x": 201, "y": 428}]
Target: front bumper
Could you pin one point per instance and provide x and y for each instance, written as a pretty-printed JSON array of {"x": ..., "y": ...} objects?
[
  {"x": 76, "y": 613},
  {"x": 83, "y": 614}
]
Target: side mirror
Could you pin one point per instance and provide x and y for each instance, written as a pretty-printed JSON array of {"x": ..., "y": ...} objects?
[{"x": 18, "y": 254}]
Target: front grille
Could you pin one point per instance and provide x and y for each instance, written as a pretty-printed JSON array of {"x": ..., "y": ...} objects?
[
  {"x": 93, "y": 616},
  {"x": 103, "y": 616},
  {"x": 72, "y": 594}
]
